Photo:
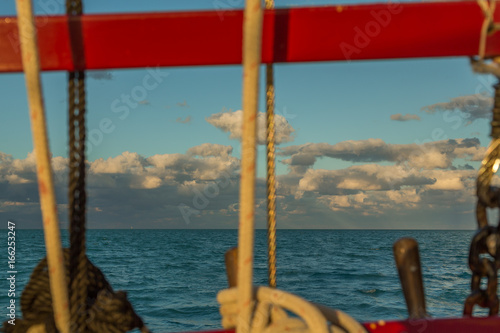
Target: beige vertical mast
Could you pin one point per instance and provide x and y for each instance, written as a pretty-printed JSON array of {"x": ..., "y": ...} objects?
[
  {"x": 31, "y": 65},
  {"x": 252, "y": 36}
]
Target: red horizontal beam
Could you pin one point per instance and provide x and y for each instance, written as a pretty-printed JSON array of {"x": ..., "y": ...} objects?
[{"x": 331, "y": 33}]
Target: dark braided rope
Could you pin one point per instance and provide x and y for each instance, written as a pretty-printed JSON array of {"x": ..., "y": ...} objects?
[
  {"x": 77, "y": 197},
  {"x": 109, "y": 311},
  {"x": 74, "y": 7},
  {"x": 77, "y": 202}
]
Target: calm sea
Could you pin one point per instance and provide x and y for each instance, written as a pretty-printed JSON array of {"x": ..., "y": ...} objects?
[{"x": 172, "y": 276}]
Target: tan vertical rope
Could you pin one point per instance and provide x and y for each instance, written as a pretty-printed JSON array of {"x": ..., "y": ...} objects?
[
  {"x": 271, "y": 170},
  {"x": 252, "y": 44},
  {"x": 31, "y": 65},
  {"x": 488, "y": 8}
]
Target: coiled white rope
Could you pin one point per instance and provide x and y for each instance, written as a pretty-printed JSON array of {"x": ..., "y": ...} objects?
[
  {"x": 31, "y": 65},
  {"x": 269, "y": 315}
]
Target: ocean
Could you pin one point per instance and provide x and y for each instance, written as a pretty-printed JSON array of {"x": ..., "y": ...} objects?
[{"x": 172, "y": 276}]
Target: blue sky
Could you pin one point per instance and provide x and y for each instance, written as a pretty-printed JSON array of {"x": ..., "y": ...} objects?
[{"x": 371, "y": 144}]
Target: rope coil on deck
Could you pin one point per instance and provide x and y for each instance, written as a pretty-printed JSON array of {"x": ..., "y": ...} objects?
[
  {"x": 269, "y": 315},
  {"x": 108, "y": 311}
]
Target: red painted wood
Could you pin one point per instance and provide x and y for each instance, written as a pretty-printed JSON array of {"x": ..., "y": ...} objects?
[
  {"x": 455, "y": 325},
  {"x": 331, "y": 33}
]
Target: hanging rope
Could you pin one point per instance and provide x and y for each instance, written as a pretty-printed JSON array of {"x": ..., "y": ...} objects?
[
  {"x": 31, "y": 65},
  {"x": 271, "y": 170},
  {"x": 252, "y": 38},
  {"x": 94, "y": 306},
  {"x": 77, "y": 200},
  {"x": 77, "y": 196},
  {"x": 488, "y": 8}
]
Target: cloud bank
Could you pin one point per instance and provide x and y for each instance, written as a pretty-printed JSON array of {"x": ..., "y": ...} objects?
[{"x": 390, "y": 185}]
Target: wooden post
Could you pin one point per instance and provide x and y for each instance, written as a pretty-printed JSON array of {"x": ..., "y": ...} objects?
[
  {"x": 231, "y": 259},
  {"x": 410, "y": 274}
]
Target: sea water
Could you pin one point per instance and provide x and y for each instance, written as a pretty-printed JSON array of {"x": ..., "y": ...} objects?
[{"x": 172, "y": 276}]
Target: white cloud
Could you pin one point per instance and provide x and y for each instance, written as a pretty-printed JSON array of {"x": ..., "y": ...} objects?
[
  {"x": 359, "y": 178},
  {"x": 210, "y": 149},
  {"x": 232, "y": 122},
  {"x": 15, "y": 179},
  {"x": 406, "y": 117},
  {"x": 472, "y": 107},
  {"x": 431, "y": 155},
  {"x": 149, "y": 182},
  {"x": 125, "y": 163}
]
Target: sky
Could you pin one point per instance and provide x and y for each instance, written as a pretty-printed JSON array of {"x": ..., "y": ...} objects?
[{"x": 364, "y": 144}]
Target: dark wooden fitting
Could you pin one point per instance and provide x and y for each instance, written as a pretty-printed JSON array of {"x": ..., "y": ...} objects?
[
  {"x": 231, "y": 259},
  {"x": 410, "y": 274}
]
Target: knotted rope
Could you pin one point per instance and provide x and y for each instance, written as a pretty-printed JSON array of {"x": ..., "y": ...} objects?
[
  {"x": 108, "y": 311},
  {"x": 269, "y": 314}
]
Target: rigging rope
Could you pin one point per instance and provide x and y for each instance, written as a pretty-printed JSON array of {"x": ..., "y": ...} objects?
[
  {"x": 252, "y": 40},
  {"x": 489, "y": 27},
  {"x": 31, "y": 66},
  {"x": 271, "y": 170},
  {"x": 261, "y": 310},
  {"x": 94, "y": 306},
  {"x": 488, "y": 8},
  {"x": 76, "y": 192},
  {"x": 77, "y": 201}
]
